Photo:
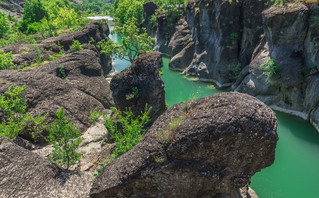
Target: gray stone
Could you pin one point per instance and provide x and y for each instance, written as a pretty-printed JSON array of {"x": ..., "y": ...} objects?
[
  {"x": 140, "y": 84},
  {"x": 205, "y": 148},
  {"x": 26, "y": 174}
]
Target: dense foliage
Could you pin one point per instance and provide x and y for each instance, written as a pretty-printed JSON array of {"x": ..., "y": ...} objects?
[
  {"x": 41, "y": 19},
  {"x": 33, "y": 11},
  {"x": 97, "y": 7},
  {"x": 13, "y": 116},
  {"x": 64, "y": 138}
]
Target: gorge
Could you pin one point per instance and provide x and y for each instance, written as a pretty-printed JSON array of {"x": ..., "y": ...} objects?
[{"x": 212, "y": 141}]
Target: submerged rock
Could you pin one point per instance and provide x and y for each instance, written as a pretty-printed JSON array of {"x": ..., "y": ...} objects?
[
  {"x": 140, "y": 84},
  {"x": 207, "y": 148},
  {"x": 26, "y": 174}
]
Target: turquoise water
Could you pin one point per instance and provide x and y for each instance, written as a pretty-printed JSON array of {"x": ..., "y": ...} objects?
[{"x": 295, "y": 172}]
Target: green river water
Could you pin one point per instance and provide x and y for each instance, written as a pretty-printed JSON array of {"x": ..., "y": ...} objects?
[{"x": 295, "y": 172}]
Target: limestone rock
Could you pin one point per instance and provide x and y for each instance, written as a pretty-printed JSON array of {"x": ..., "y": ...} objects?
[
  {"x": 206, "y": 148},
  {"x": 140, "y": 84}
]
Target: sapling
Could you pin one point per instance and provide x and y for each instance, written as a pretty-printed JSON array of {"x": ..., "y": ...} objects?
[{"x": 64, "y": 138}]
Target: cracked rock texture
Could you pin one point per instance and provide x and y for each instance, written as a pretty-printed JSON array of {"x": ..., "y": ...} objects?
[{"x": 207, "y": 148}]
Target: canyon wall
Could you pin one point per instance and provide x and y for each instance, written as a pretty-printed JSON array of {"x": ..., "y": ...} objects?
[{"x": 267, "y": 51}]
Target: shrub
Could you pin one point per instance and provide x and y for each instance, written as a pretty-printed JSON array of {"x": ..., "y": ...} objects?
[
  {"x": 76, "y": 46},
  {"x": 132, "y": 129},
  {"x": 6, "y": 61},
  {"x": 126, "y": 130},
  {"x": 270, "y": 67},
  {"x": 13, "y": 116},
  {"x": 64, "y": 138},
  {"x": 95, "y": 115}
]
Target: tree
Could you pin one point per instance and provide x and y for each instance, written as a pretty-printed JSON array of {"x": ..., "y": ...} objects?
[
  {"x": 128, "y": 9},
  {"x": 133, "y": 43},
  {"x": 33, "y": 11},
  {"x": 62, "y": 136},
  {"x": 4, "y": 25}
]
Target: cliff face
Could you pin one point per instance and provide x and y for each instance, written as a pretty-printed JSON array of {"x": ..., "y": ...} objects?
[{"x": 227, "y": 43}]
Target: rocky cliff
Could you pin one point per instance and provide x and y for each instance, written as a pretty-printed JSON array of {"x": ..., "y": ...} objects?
[{"x": 268, "y": 51}]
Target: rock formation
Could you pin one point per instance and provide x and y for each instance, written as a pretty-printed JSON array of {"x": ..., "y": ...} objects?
[
  {"x": 140, "y": 84},
  {"x": 149, "y": 8},
  {"x": 226, "y": 42},
  {"x": 207, "y": 148},
  {"x": 74, "y": 81},
  {"x": 28, "y": 54},
  {"x": 26, "y": 174}
]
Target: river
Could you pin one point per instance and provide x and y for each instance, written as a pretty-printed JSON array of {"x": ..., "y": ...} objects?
[{"x": 295, "y": 172}]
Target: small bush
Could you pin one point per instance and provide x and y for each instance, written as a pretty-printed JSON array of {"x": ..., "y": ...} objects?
[
  {"x": 13, "y": 116},
  {"x": 64, "y": 138},
  {"x": 270, "y": 67},
  {"x": 131, "y": 132},
  {"x": 6, "y": 61},
  {"x": 95, "y": 115},
  {"x": 76, "y": 46},
  {"x": 132, "y": 129}
]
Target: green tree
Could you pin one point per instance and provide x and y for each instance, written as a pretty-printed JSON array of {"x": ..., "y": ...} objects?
[
  {"x": 64, "y": 138},
  {"x": 4, "y": 25},
  {"x": 33, "y": 11},
  {"x": 133, "y": 43},
  {"x": 128, "y": 9}
]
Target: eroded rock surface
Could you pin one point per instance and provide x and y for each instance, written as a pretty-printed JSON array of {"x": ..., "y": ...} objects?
[
  {"x": 26, "y": 174},
  {"x": 78, "y": 86},
  {"x": 31, "y": 53},
  {"x": 207, "y": 148},
  {"x": 140, "y": 84}
]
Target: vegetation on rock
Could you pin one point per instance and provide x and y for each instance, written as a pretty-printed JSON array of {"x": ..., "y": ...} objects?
[
  {"x": 270, "y": 67},
  {"x": 13, "y": 116},
  {"x": 126, "y": 129}
]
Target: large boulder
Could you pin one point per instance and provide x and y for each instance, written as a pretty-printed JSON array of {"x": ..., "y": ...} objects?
[
  {"x": 206, "y": 148},
  {"x": 140, "y": 84},
  {"x": 26, "y": 174},
  {"x": 74, "y": 81}
]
